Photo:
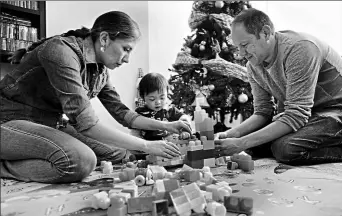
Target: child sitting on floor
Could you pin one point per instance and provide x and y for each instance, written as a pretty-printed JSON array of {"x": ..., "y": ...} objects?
[{"x": 153, "y": 89}]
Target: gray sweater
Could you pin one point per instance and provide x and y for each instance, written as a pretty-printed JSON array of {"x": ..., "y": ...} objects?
[{"x": 304, "y": 75}]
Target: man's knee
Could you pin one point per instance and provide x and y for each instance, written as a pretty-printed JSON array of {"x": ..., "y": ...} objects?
[{"x": 285, "y": 150}]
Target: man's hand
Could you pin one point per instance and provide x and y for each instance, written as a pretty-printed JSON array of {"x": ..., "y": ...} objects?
[
  {"x": 227, "y": 134},
  {"x": 228, "y": 147},
  {"x": 178, "y": 127}
]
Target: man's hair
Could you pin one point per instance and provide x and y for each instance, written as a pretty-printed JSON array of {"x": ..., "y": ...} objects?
[
  {"x": 253, "y": 20},
  {"x": 152, "y": 82}
]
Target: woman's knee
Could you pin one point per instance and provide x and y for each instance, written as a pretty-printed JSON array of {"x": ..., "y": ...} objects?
[{"x": 82, "y": 163}]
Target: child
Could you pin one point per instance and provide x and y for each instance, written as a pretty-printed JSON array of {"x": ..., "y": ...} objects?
[{"x": 153, "y": 89}]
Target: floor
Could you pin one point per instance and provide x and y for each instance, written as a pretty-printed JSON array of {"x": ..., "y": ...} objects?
[{"x": 275, "y": 188}]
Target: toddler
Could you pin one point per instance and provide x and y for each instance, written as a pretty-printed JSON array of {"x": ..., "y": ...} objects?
[{"x": 153, "y": 89}]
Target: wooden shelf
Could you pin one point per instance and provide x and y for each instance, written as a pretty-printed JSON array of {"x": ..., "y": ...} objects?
[
  {"x": 12, "y": 9},
  {"x": 36, "y": 17}
]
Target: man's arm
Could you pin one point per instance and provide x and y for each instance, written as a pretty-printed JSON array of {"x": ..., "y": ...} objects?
[
  {"x": 263, "y": 108},
  {"x": 250, "y": 125},
  {"x": 269, "y": 133}
]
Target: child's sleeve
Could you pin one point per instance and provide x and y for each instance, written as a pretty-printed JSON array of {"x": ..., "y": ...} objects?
[{"x": 174, "y": 114}]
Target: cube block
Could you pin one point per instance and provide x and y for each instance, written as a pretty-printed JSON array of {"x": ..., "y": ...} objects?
[
  {"x": 242, "y": 205},
  {"x": 140, "y": 204}
]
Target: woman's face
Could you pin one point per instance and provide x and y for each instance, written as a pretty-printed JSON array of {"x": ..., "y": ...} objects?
[{"x": 116, "y": 51}]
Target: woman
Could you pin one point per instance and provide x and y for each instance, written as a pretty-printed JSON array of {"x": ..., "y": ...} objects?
[{"x": 59, "y": 75}]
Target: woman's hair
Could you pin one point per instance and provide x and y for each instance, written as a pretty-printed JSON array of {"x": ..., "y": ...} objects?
[
  {"x": 118, "y": 25},
  {"x": 253, "y": 20},
  {"x": 152, "y": 82}
]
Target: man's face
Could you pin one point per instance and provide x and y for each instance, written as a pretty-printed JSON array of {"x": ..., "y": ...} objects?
[{"x": 251, "y": 48}]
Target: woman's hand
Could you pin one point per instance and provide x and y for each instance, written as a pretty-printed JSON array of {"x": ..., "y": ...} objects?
[
  {"x": 228, "y": 147},
  {"x": 162, "y": 148},
  {"x": 178, "y": 127}
]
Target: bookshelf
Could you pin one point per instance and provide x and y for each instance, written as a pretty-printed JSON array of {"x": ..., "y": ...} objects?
[{"x": 21, "y": 24}]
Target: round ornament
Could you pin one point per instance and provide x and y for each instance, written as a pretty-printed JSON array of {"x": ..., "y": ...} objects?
[
  {"x": 219, "y": 4},
  {"x": 243, "y": 98},
  {"x": 211, "y": 87}
]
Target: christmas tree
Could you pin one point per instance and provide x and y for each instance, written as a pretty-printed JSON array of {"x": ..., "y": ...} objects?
[{"x": 209, "y": 69}]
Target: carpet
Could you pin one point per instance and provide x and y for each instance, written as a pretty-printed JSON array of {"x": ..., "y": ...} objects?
[{"x": 276, "y": 189}]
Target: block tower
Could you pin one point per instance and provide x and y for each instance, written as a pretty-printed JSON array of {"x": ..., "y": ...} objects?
[{"x": 201, "y": 152}]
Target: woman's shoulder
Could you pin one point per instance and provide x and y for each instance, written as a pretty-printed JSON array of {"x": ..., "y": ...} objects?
[{"x": 59, "y": 47}]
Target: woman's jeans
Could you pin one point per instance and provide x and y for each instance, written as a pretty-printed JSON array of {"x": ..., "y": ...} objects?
[
  {"x": 35, "y": 152},
  {"x": 319, "y": 141}
]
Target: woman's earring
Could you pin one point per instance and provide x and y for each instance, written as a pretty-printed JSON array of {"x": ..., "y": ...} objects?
[{"x": 102, "y": 49}]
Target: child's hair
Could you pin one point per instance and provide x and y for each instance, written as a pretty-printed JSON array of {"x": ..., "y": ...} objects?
[{"x": 152, "y": 82}]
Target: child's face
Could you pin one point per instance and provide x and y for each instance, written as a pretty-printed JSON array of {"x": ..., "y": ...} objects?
[{"x": 156, "y": 100}]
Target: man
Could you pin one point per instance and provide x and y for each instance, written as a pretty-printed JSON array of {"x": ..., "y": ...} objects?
[{"x": 304, "y": 76}]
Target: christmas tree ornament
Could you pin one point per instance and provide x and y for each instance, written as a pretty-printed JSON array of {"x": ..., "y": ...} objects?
[
  {"x": 219, "y": 4},
  {"x": 211, "y": 87},
  {"x": 200, "y": 100},
  {"x": 201, "y": 47},
  {"x": 243, "y": 98}
]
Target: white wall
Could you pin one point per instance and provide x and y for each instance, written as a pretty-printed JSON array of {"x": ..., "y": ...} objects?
[
  {"x": 62, "y": 16},
  {"x": 323, "y": 19},
  {"x": 168, "y": 25}
]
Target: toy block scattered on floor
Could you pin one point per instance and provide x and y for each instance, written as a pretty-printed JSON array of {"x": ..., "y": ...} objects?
[
  {"x": 158, "y": 172},
  {"x": 130, "y": 188},
  {"x": 140, "y": 204},
  {"x": 100, "y": 200},
  {"x": 210, "y": 162},
  {"x": 242, "y": 205},
  {"x": 232, "y": 165},
  {"x": 160, "y": 207},
  {"x": 216, "y": 209},
  {"x": 118, "y": 207},
  {"x": 186, "y": 198},
  {"x": 163, "y": 187},
  {"x": 220, "y": 161},
  {"x": 244, "y": 162}
]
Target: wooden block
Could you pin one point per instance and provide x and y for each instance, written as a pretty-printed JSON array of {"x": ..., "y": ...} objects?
[
  {"x": 119, "y": 211},
  {"x": 160, "y": 207},
  {"x": 210, "y": 162},
  {"x": 196, "y": 164},
  {"x": 195, "y": 148},
  {"x": 208, "y": 144},
  {"x": 140, "y": 204},
  {"x": 159, "y": 189},
  {"x": 208, "y": 134},
  {"x": 242, "y": 205},
  {"x": 232, "y": 165}
]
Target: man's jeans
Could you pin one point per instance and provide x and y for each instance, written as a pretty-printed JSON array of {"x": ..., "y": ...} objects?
[
  {"x": 319, "y": 141},
  {"x": 34, "y": 152}
]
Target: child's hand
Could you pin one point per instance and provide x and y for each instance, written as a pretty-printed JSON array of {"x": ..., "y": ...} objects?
[{"x": 184, "y": 136}]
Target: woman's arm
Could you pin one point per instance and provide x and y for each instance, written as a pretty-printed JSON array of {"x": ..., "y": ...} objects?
[{"x": 112, "y": 102}]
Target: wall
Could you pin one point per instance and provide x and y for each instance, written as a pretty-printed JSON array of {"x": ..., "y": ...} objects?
[
  {"x": 65, "y": 15},
  {"x": 322, "y": 19},
  {"x": 168, "y": 25}
]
